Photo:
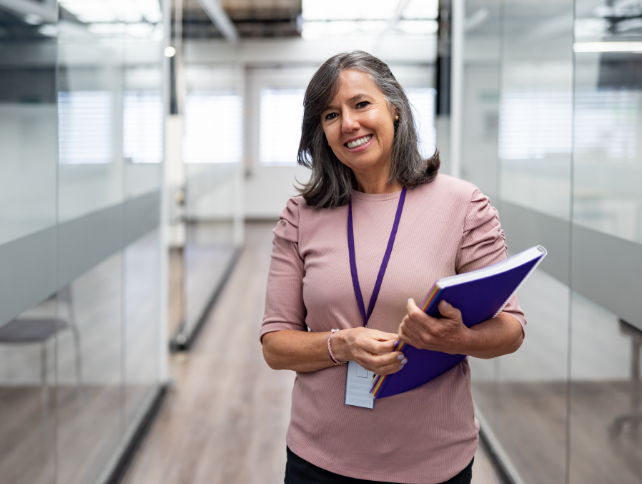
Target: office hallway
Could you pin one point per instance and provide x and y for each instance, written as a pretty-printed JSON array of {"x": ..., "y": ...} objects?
[{"x": 224, "y": 420}]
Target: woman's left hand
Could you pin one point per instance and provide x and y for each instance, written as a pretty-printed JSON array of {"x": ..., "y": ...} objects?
[{"x": 447, "y": 334}]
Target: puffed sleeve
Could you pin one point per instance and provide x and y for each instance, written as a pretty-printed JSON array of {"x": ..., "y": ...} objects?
[
  {"x": 483, "y": 243},
  {"x": 284, "y": 308}
]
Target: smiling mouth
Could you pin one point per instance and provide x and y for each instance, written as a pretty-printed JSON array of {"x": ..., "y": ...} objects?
[{"x": 358, "y": 142}]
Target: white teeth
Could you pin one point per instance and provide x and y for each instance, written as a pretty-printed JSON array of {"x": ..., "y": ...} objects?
[{"x": 359, "y": 142}]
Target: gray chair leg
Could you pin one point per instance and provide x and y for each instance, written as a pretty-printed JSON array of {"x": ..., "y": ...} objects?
[
  {"x": 76, "y": 334},
  {"x": 44, "y": 397}
]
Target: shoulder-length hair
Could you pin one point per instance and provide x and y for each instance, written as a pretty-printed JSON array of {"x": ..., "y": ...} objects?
[{"x": 331, "y": 181}]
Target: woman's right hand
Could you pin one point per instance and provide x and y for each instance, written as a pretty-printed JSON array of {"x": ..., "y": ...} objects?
[{"x": 373, "y": 350}]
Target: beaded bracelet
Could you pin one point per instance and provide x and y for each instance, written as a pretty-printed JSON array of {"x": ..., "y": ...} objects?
[{"x": 334, "y": 360}]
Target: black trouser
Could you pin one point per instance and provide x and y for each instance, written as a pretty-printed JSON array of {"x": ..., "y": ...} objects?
[{"x": 300, "y": 471}]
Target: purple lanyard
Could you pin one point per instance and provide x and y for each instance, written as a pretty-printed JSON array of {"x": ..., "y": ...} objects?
[{"x": 384, "y": 263}]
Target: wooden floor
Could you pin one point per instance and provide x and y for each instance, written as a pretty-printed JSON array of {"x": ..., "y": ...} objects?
[{"x": 224, "y": 420}]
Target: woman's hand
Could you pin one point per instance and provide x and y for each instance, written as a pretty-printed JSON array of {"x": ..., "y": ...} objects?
[
  {"x": 448, "y": 334},
  {"x": 498, "y": 336},
  {"x": 374, "y": 350}
]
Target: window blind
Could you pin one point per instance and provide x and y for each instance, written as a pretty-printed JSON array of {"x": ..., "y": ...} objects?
[
  {"x": 143, "y": 126},
  {"x": 280, "y": 125},
  {"x": 213, "y": 127},
  {"x": 85, "y": 127},
  {"x": 422, "y": 102}
]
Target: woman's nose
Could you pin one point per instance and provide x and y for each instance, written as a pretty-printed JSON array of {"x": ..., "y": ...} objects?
[{"x": 349, "y": 123}]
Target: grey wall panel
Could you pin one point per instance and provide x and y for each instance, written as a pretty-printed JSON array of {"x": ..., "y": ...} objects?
[
  {"x": 28, "y": 275},
  {"x": 608, "y": 270},
  {"x": 88, "y": 240},
  {"x": 525, "y": 228},
  {"x": 142, "y": 214},
  {"x": 28, "y": 272}
]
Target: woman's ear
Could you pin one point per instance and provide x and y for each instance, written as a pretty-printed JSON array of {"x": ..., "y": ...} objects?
[{"x": 395, "y": 114}]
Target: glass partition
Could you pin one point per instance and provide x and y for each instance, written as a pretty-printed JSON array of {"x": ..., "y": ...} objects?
[
  {"x": 143, "y": 149},
  {"x": 605, "y": 398},
  {"x": 551, "y": 100},
  {"x": 479, "y": 164},
  {"x": 534, "y": 174},
  {"x": 81, "y": 127},
  {"x": 28, "y": 130},
  {"x": 212, "y": 158}
]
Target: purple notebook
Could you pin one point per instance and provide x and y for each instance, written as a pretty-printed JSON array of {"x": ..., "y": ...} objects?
[{"x": 479, "y": 295}]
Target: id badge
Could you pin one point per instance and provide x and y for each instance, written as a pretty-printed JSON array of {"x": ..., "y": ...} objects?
[{"x": 358, "y": 385}]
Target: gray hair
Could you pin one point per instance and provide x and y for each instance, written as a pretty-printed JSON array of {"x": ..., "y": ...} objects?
[{"x": 331, "y": 181}]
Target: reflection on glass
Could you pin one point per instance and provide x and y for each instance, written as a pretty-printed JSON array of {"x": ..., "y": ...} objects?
[
  {"x": 85, "y": 127},
  {"x": 209, "y": 242},
  {"x": 519, "y": 103},
  {"x": 535, "y": 143},
  {"x": 142, "y": 119},
  {"x": 27, "y": 206},
  {"x": 90, "y": 178},
  {"x": 142, "y": 305},
  {"x": 208, "y": 251},
  {"x": 69, "y": 93},
  {"x": 27, "y": 404},
  {"x": 536, "y": 106},
  {"x": 27, "y": 128},
  {"x": 563, "y": 411},
  {"x": 606, "y": 415},
  {"x": 479, "y": 151},
  {"x": 532, "y": 385},
  {"x": 480, "y": 126},
  {"x": 480, "y": 117},
  {"x": 535, "y": 122},
  {"x": 143, "y": 126},
  {"x": 208, "y": 210},
  {"x": 89, "y": 428},
  {"x": 607, "y": 155},
  {"x": 90, "y": 87}
]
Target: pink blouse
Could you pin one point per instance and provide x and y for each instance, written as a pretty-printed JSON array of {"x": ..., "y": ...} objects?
[{"x": 423, "y": 436}]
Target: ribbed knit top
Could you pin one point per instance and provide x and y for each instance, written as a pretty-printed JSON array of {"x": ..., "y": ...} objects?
[{"x": 423, "y": 436}]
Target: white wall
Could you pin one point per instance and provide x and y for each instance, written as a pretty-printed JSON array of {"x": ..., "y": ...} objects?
[{"x": 291, "y": 63}]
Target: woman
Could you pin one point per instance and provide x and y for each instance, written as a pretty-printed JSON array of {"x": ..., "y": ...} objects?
[{"x": 359, "y": 140}]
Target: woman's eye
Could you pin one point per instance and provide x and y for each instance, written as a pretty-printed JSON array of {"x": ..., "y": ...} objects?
[
  {"x": 330, "y": 116},
  {"x": 362, "y": 104}
]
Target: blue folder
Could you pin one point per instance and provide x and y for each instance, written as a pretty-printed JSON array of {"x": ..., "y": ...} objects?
[{"x": 479, "y": 295}]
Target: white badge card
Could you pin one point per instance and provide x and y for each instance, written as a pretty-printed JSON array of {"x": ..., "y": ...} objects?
[{"x": 358, "y": 385}]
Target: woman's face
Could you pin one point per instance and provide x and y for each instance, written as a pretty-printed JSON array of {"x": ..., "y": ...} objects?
[{"x": 359, "y": 125}]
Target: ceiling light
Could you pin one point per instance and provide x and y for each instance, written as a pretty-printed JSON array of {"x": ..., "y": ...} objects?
[
  {"x": 421, "y": 9},
  {"x": 607, "y": 47},
  {"x": 130, "y": 11},
  {"x": 170, "y": 51}
]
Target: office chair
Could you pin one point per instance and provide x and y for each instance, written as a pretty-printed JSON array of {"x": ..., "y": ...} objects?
[
  {"x": 634, "y": 417},
  {"x": 26, "y": 330}
]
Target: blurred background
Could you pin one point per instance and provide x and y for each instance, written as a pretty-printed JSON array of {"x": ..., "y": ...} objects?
[{"x": 147, "y": 148}]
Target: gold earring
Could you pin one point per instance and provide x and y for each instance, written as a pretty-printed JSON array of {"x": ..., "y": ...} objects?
[{"x": 396, "y": 118}]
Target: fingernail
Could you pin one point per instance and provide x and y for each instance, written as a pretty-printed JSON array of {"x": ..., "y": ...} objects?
[
  {"x": 445, "y": 304},
  {"x": 404, "y": 361},
  {"x": 400, "y": 357},
  {"x": 409, "y": 299},
  {"x": 396, "y": 343}
]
